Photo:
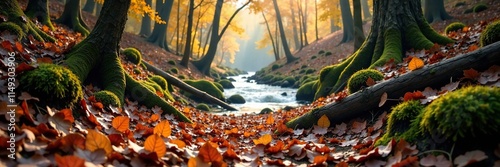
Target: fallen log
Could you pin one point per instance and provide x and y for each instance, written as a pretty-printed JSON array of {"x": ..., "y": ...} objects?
[
  {"x": 182, "y": 85},
  {"x": 358, "y": 103}
]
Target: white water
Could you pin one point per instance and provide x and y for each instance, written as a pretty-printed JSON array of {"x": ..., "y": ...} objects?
[{"x": 259, "y": 96}]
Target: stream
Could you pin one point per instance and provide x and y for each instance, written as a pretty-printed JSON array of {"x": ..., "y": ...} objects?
[{"x": 259, "y": 96}]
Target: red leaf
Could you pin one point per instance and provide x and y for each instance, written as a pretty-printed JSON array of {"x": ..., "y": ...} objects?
[
  {"x": 69, "y": 161},
  {"x": 23, "y": 67},
  {"x": 7, "y": 46},
  {"x": 19, "y": 47},
  {"x": 471, "y": 74},
  {"x": 413, "y": 96}
]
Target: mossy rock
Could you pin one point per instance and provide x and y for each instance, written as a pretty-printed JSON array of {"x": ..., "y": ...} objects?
[
  {"x": 490, "y": 34},
  {"x": 157, "y": 89},
  {"x": 310, "y": 71},
  {"x": 54, "y": 85},
  {"x": 321, "y": 52},
  {"x": 137, "y": 70},
  {"x": 236, "y": 99},
  {"x": 469, "y": 111},
  {"x": 328, "y": 53},
  {"x": 219, "y": 86},
  {"x": 314, "y": 57},
  {"x": 265, "y": 111},
  {"x": 181, "y": 77},
  {"x": 107, "y": 98},
  {"x": 454, "y": 27},
  {"x": 401, "y": 122},
  {"x": 358, "y": 79},
  {"x": 133, "y": 55},
  {"x": 171, "y": 62},
  {"x": 203, "y": 107},
  {"x": 160, "y": 81},
  {"x": 479, "y": 8},
  {"x": 206, "y": 86},
  {"x": 275, "y": 67},
  {"x": 306, "y": 91},
  {"x": 466, "y": 11},
  {"x": 226, "y": 84},
  {"x": 174, "y": 70},
  {"x": 460, "y": 4}
]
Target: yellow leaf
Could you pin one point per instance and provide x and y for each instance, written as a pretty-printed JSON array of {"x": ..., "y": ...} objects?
[
  {"x": 96, "y": 140},
  {"x": 181, "y": 144},
  {"x": 324, "y": 122},
  {"x": 155, "y": 143},
  {"x": 121, "y": 123},
  {"x": 163, "y": 129},
  {"x": 415, "y": 63},
  {"x": 270, "y": 120},
  {"x": 264, "y": 140}
]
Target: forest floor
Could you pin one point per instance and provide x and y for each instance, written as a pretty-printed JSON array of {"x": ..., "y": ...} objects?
[{"x": 134, "y": 135}]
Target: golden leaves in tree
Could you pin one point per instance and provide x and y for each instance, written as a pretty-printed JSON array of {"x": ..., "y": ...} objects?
[
  {"x": 155, "y": 143},
  {"x": 96, "y": 140},
  {"x": 324, "y": 122},
  {"x": 163, "y": 129},
  {"x": 415, "y": 63},
  {"x": 121, "y": 123}
]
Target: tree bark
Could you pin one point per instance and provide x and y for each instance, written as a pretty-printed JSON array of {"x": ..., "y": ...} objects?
[
  {"x": 298, "y": 44},
  {"x": 347, "y": 22},
  {"x": 146, "y": 21},
  {"x": 39, "y": 9},
  {"x": 180, "y": 84},
  {"x": 434, "y": 11},
  {"x": 276, "y": 55},
  {"x": 159, "y": 34},
  {"x": 72, "y": 17},
  {"x": 18, "y": 24},
  {"x": 398, "y": 25},
  {"x": 187, "y": 48},
  {"x": 289, "y": 57},
  {"x": 316, "y": 18},
  {"x": 366, "y": 9},
  {"x": 357, "y": 104},
  {"x": 89, "y": 6},
  {"x": 359, "y": 35}
]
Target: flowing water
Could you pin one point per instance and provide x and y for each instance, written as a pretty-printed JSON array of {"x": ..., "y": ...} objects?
[{"x": 259, "y": 96}]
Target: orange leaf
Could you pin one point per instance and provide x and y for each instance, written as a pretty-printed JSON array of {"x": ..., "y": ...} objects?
[
  {"x": 471, "y": 74},
  {"x": 179, "y": 143},
  {"x": 209, "y": 153},
  {"x": 370, "y": 81},
  {"x": 472, "y": 47},
  {"x": 154, "y": 117},
  {"x": 187, "y": 110},
  {"x": 415, "y": 63},
  {"x": 232, "y": 131},
  {"x": 230, "y": 154},
  {"x": 121, "y": 123},
  {"x": 47, "y": 60},
  {"x": 197, "y": 162},
  {"x": 324, "y": 122},
  {"x": 413, "y": 96},
  {"x": 270, "y": 120},
  {"x": 264, "y": 140},
  {"x": 163, "y": 129},
  {"x": 320, "y": 159},
  {"x": 7, "y": 46},
  {"x": 98, "y": 105},
  {"x": 45, "y": 28},
  {"x": 155, "y": 143},
  {"x": 73, "y": 139},
  {"x": 69, "y": 161},
  {"x": 26, "y": 112},
  {"x": 19, "y": 47},
  {"x": 96, "y": 140}
]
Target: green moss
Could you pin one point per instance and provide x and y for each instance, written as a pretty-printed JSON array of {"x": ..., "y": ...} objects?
[
  {"x": 358, "y": 79},
  {"x": 328, "y": 53},
  {"x": 415, "y": 38},
  {"x": 137, "y": 70},
  {"x": 203, "y": 107},
  {"x": 54, "y": 85},
  {"x": 394, "y": 48},
  {"x": 275, "y": 67},
  {"x": 226, "y": 84},
  {"x": 141, "y": 94},
  {"x": 307, "y": 91},
  {"x": 157, "y": 88},
  {"x": 13, "y": 28},
  {"x": 205, "y": 86},
  {"x": 174, "y": 70},
  {"x": 321, "y": 52},
  {"x": 236, "y": 99},
  {"x": 288, "y": 81},
  {"x": 490, "y": 34},
  {"x": 133, "y": 55},
  {"x": 327, "y": 78},
  {"x": 181, "y": 77},
  {"x": 171, "y": 62},
  {"x": 400, "y": 124},
  {"x": 432, "y": 35},
  {"x": 160, "y": 81},
  {"x": 15, "y": 16},
  {"x": 107, "y": 98},
  {"x": 266, "y": 111},
  {"x": 454, "y": 27},
  {"x": 313, "y": 57},
  {"x": 466, "y": 11},
  {"x": 310, "y": 71},
  {"x": 219, "y": 86},
  {"x": 305, "y": 121},
  {"x": 469, "y": 111},
  {"x": 460, "y": 4},
  {"x": 479, "y": 8}
]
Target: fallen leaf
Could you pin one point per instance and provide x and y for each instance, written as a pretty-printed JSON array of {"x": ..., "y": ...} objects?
[
  {"x": 208, "y": 153},
  {"x": 163, "y": 129},
  {"x": 383, "y": 99},
  {"x": 470, "y": 158},
  {"x": 96, "y": 157},
  {"x": 264, "y": 140},
  {"x": 471, "y": 74},
  {"x": 121, "y": 123},
  {"x": 154, "y": 143},
  {"x": 270, "y": 120},
  {"x": 415, "y": 63},
  {"x": 96, "y": 140},
  {"x": 69, "y": 161},
  {"x": 324, "y": 122}
]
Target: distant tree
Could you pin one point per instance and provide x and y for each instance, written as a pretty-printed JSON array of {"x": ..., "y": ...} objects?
[
  {"x": 187, "y": 47},
  {"x": 146, "y": 22},
  {"x": 298, "y": 44},
  {"x": 316, "y": 17},
  {"x": 289, "y": 57},
  {"x": 434, "y": 11},
  {"x": 89, "y": 6},
  {"x": 359, "y": 35},
  {"x": 39, "y": 9},
  {"x": 275, "y": 49},
  {"x": 72, "y": 17},
  {"x": 159, "y": 34},
  {"x": 347, "y": 21},
  {"x": 366, "y": 9}
]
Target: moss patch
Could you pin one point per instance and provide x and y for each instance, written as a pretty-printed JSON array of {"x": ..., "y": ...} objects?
[
  {"x": 358, "y": 79},
  {"x": 265, "y": 111},
  {"x": 490, "y": 34},
  {"x": 402, "y": 123},
  {"x": 107, "y": 98},
  {"x": 203, "y": 107},
  {"x": 454, "y": 27},
  {"x": 206, "y": 86},
  {"x": 306, "y": 91},
  {"x": 236, "y": 99},
  {"x": 133, "y": 55},
  {"x": 226, "y": 84}
]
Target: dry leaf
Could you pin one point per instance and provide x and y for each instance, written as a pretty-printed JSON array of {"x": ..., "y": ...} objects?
[
  {"x": 324, "y": 122},
  {"x": 415, "y": 63},
  {"x": 155, "y": 143}
]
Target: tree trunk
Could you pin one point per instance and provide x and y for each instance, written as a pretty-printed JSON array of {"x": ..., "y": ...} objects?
[
  {"x": 204, "y": 63},
  {"x": 146, "y": 21},
  {"x": 89, "y": 6},
  {"x": 333, "y": 27},
  {"x": 38, "y": 9},
  {"x": 294, "y": 28},
  {"x": 303, "y": 13},
  {"x": 359, "y": 35},
  {"x": 180, "y": 84},
  {"x": 434, "y": 11},
  {"x": 276, "y": 56},
  {"x": 72, "y": 17},
  {"x": 289, "y": 57},
  {"x": 316, "y": 17},
  {"x": 187, "y": 48},
  {"x": 366, "y": 9},
  {"x": 359, "y": 103},
  {"x": 15, "y": 23},
  {"x": 347, "y": 22},
  {"x": 97, "y": 57},
  {"x": 98, "y": 8},
  {"x": 159, "y": 34},
  {"x": 397, "y": 25}
]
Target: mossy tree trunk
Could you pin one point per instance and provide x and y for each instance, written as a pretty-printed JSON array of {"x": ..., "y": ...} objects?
[
  {"x": 39, "y": 9},
  {"x": 18, "y": 23},
  {"x": 434, "y": 11},
  {"x": 398, "y": 25},
  {"x": 288, "y": 54},
  {"x": 159, "y": 34},
  {"x": 96, "y": 58},
  {"x": 72, "y": 17},
  {"x": 146, "y": 22}
]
